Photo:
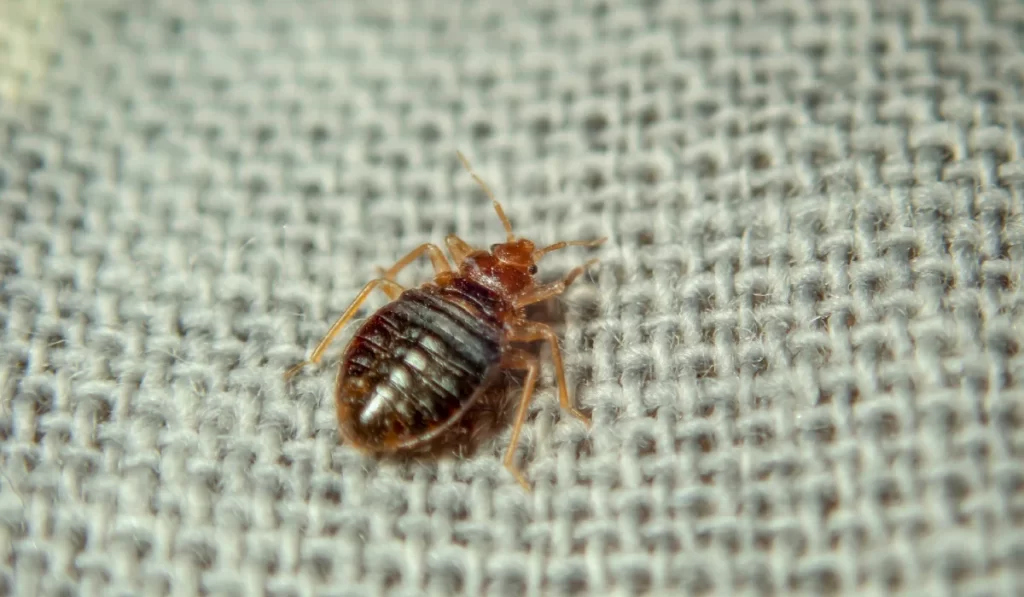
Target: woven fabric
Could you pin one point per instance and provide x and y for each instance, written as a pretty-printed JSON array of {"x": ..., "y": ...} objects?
[{"x": 799, "y": 349}]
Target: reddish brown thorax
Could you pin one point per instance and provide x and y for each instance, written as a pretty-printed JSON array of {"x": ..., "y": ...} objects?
[{"x": 507, "y": 268}]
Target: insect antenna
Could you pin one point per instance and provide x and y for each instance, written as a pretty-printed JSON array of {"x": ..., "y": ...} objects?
[
  {"x": 483, "y": 185},
  {"x": 567, "y": 243}
]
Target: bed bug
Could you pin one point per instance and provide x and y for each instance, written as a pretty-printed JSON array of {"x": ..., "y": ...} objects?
[{"x": 419, "y": 364}]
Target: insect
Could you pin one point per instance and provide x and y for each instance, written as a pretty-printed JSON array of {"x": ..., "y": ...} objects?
[{"x": 420, "y": 363}]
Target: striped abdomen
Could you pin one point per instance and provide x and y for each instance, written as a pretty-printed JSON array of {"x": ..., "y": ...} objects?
[{"x": 417, "y": 364}]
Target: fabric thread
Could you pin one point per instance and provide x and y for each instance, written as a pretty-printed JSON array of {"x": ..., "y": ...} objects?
[{"x": 800, "y": 348}]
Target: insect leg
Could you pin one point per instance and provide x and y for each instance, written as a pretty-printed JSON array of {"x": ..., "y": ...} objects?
[
  {"x": 517, "y": 359},
  {"x": 393, "y": 292},
  {"x": 547, "y": 291},
  {"x": 318, "y": 352},
  {"x": 437, "y": 259},
  {"x": 532, "y": 331},
  {"x": 458, "y": 248}
]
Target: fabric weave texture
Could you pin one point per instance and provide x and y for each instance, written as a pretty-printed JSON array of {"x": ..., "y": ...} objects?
[{"x": 800, "y": 347}]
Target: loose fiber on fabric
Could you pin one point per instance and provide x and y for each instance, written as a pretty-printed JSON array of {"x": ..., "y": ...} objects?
[{"x": 800, "y": 348}]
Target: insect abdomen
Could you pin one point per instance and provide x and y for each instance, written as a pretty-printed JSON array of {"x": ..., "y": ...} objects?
[{"x": 415, "y": 364}]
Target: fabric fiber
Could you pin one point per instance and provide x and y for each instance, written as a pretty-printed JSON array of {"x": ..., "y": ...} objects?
[{"x": 800, "y": 346}]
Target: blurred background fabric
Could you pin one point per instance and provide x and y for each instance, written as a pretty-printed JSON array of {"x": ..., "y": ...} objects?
[{"x": 800, "y": 348}]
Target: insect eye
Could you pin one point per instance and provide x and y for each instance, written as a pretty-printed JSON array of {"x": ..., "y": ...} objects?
[
  {"x": 494, "y": 247},
  {"x": 532, "y": 269}
]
